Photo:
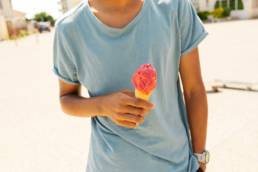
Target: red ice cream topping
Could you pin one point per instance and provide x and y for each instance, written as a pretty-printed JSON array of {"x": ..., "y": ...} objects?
[{"x": 145, "y": 78}]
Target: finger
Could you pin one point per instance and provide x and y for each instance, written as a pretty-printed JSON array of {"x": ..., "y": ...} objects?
[
  {"x": 125, "y": 90},
  {"x": 140, "y": 103},
  {"x": 128, "y": 92},
  {"x": 202, "y": 167},
  {"x": 130, "y": 118},
  {"x": 126, "y": 124},
  {"x": 133, "y": 110}
]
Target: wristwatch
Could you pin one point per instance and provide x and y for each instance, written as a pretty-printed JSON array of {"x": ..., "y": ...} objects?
[{"x": 203, "y": 157}]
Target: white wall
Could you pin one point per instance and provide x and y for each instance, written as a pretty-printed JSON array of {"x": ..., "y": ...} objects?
[
  {"x": 3, "y": 29},
  {"x": 205, "y": 5},
  {"x": 68, "y": 4},
  {"x": 7, "y": 9},
  {"x": 73, "y": 3},
  {"x": 239, "y": 14},
  {"x": 248, "y": 12},
  {"x": 211, "y": 5},
  {"x": 254, "y": 8}
]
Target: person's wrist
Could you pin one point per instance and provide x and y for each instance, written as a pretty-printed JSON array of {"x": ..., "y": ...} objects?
[
  {"x": 199, "y": 152},
  {"x": 101, "y": 106},
  {"x": 203, "y": 157},
  {"x": 199, "y": 149}
]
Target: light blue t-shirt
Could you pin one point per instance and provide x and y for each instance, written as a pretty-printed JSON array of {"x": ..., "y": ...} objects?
[{"x": 103, "y": 59}]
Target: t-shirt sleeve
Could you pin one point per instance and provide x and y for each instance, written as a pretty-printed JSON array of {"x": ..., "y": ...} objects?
[
  {"x": 63, "y": 65},
  {"x": 191, "y": 28}
]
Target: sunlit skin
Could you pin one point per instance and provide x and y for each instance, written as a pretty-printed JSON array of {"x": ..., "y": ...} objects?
[
  {"x": 195, "y": 99},
  {"x": 122, "y": 106}
]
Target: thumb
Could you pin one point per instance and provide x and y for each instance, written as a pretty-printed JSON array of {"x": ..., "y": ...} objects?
[{"x": 128, "y": 92}]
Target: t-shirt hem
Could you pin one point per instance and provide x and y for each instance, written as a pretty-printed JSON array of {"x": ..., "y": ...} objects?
[
  {"x": 194, "y": 164},
  {"x": 63, "y": 78},
  {"x": 195, "y": 43}
]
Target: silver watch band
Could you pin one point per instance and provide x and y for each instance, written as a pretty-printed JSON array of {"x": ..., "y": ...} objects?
[{"x": 203, "y": 157}]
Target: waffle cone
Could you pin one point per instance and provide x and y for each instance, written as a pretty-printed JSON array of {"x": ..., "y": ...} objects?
[{"x": 142, "y": 95}]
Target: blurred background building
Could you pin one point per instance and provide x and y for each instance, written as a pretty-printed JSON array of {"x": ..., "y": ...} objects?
[
  {"x": 10, "y": 20},
  {"x": 66, "y": 5},
  {"x": 241, "y": 9}
]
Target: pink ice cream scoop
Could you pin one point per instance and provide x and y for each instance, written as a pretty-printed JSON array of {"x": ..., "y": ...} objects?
[{"x": 144, "y": 80}]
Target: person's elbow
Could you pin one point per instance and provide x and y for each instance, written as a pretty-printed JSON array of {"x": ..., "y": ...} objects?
[
  {"x": 65, "y": 104},
  {"x": 197, "y": 89}
]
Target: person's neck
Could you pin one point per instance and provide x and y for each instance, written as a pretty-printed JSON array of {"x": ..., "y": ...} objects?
[{"x": 112, "y": 4}]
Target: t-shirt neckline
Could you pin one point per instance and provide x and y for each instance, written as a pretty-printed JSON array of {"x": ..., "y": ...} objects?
[{"x": 115, "y": 29}]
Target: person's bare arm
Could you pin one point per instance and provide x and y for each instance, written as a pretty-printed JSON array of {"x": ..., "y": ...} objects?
[
  {"x": 195, "y": 98},
  {"x": 122, "y": 107},
  {"x": 72, "y": 103}
]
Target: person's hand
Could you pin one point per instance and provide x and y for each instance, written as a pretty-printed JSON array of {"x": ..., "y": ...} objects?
[
  {"x": 202, "y": 167},
  {"x": 124, "y": 108}
]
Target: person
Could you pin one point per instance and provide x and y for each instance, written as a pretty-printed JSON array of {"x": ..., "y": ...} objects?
[{"x": 98, "y": 45}]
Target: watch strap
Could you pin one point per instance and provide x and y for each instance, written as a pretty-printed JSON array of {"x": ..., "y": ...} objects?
[{"x": 202, "y": 157}]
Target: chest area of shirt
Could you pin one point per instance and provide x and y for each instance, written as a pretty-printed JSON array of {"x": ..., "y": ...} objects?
[
  {"x": 150, "y": 39},
  {"x": 106, "y": 62}
]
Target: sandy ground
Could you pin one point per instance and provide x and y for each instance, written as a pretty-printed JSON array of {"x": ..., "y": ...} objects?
[{"x": 35, "y": 136}]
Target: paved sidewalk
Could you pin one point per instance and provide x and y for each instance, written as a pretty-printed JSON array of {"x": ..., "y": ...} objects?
[{"x": 37, "y": 137}]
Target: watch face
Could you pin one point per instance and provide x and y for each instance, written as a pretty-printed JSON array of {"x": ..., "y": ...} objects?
[{"x": 207, "y": 157}]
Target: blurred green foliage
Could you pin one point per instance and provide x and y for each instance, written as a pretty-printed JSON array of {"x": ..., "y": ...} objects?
[
  {"x": 203, "y": 15},
  {"x": 216, "y": 13},
  {"x": 232, "y": 4},
  {"x": 221, "y": 12},
  {"x": 44, "y": 17}
]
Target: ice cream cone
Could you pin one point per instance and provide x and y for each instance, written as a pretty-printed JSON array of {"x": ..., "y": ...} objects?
[
  {"x": 142, "y": 95},
  {"x": 144, "y": 80}
]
